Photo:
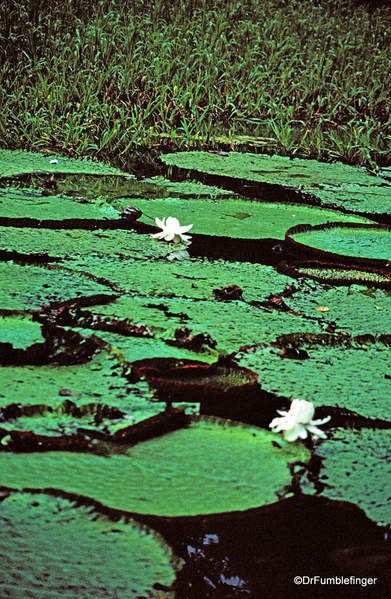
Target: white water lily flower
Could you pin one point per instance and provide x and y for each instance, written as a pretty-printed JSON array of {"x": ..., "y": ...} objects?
[
  {"x": 297, "y": 423},
  {"x": 172, "y": 231}
]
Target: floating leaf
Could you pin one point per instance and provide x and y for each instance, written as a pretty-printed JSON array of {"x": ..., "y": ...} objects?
[
  {"x": 356, "y": 469},
  {"x": 355, "y": 244},
  {"x": 242, "y": 218},
  {"x": 331, "y": 273},
  {"x": 26, "y": 286},
  {"x": 343, "y": 372},
  {"x": 25, "y": 342},
  {"x": 212, "y": 466},
  {"x": 277, "y": 178},
  {"x": 194, "y": 381},
  {"x": 14, "y": 163},
  {"x": 54, "y": 548}
]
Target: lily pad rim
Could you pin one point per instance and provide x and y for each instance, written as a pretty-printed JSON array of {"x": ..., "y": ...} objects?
[{"x": 301, "y": 249}]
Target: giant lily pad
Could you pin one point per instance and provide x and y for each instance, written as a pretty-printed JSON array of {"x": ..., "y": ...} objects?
[
  {"x": 52, "y": 547},
  {"x": 349, "y": 243},
  {"x": 32, "y": 203},
  {"x": 337, "y": 274},
  {"x": 356, "y": 469},
  {"x": 240, "y": 218},
  {"x": 25, "y": 342},
  {"x": 354, "y": 374},
  {"x": 25, "y": 286},
  {"x": 193, "y": 381},
  {"x": 14, "y": 163},
  {"x": 275, "y": 178},
  {"x": 356, "y": 310},
  {"x": 212, "y": 466}
]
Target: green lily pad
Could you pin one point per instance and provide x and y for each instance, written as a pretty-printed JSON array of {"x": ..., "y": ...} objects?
[
  {"x": 274, "y": 178},
  {"x": 30, "y": 287},
  {"x": 24, "y": 342},
  {"x": 20, "y": 332},
  {"x": 13, "y": 163},
  {"x": 337, "y": 274},
  {"x": 356, "y": 377},
  {"x": 356, "y": 310},
  {"x": 32, "y": 203},
  {"x": 345, "y": 243},
  {"x": 56, "y": 548},
  {"x": 94, "y": 381},
  {"x": 212, "y": 466},
  {"x": 64, "y": 417},
  {"x": 356, "y": 469},
  {"x": 240, "y": 218}
]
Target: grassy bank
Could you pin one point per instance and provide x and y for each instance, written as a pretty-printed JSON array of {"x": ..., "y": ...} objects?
[{"x": 114, "y": 78}]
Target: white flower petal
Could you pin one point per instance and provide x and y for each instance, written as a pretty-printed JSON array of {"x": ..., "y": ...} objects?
[
  {"x": 185, "y": 237},
  {"x": 279, "y": 423},
  {"x": 171, "y": 230},
  {"x": 321, "y": 421},
  {"x": 159, "y": 235},
  {"x": 185, "y": 229},
  {"x": 316, "y": 432},
  {"x": 297, "y": 431},
  {"x": 172, "y": 222},
  {"x": 160, "y": 223},
  {"x": 297, "y": 423},
  {"x": 303, "y": 411}
]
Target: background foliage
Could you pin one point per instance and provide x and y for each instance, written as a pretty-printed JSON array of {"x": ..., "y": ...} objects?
[{"x": 111, "y": 77}]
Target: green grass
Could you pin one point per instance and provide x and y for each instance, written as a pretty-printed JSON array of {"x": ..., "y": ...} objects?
[{"x": 112, "y": 79}]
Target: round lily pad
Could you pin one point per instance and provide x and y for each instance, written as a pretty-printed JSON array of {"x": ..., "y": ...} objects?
[
  {"x": 66, "y": 417},
  {"x": 191, "y": 380},
  {"x": 19, "y": 332},
  {"x": 53, "y": 548},
  {"x": 344, "y": 243},
  {"x": 212, "y": 466},
  {"x": 333, "y": 185}
]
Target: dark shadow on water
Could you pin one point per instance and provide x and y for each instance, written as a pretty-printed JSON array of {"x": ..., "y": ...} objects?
[
  {"x": 268, "y": 252},
  {"x": 258, "y": 553}
]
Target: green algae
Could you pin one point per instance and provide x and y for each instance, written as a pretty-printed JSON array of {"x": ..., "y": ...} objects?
[
  {"x": 335, "y": 185},
  {"x": 52, "y": 547},
  {"x": 212, "y": 466},
  {"x": 357, "y": 468}
]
